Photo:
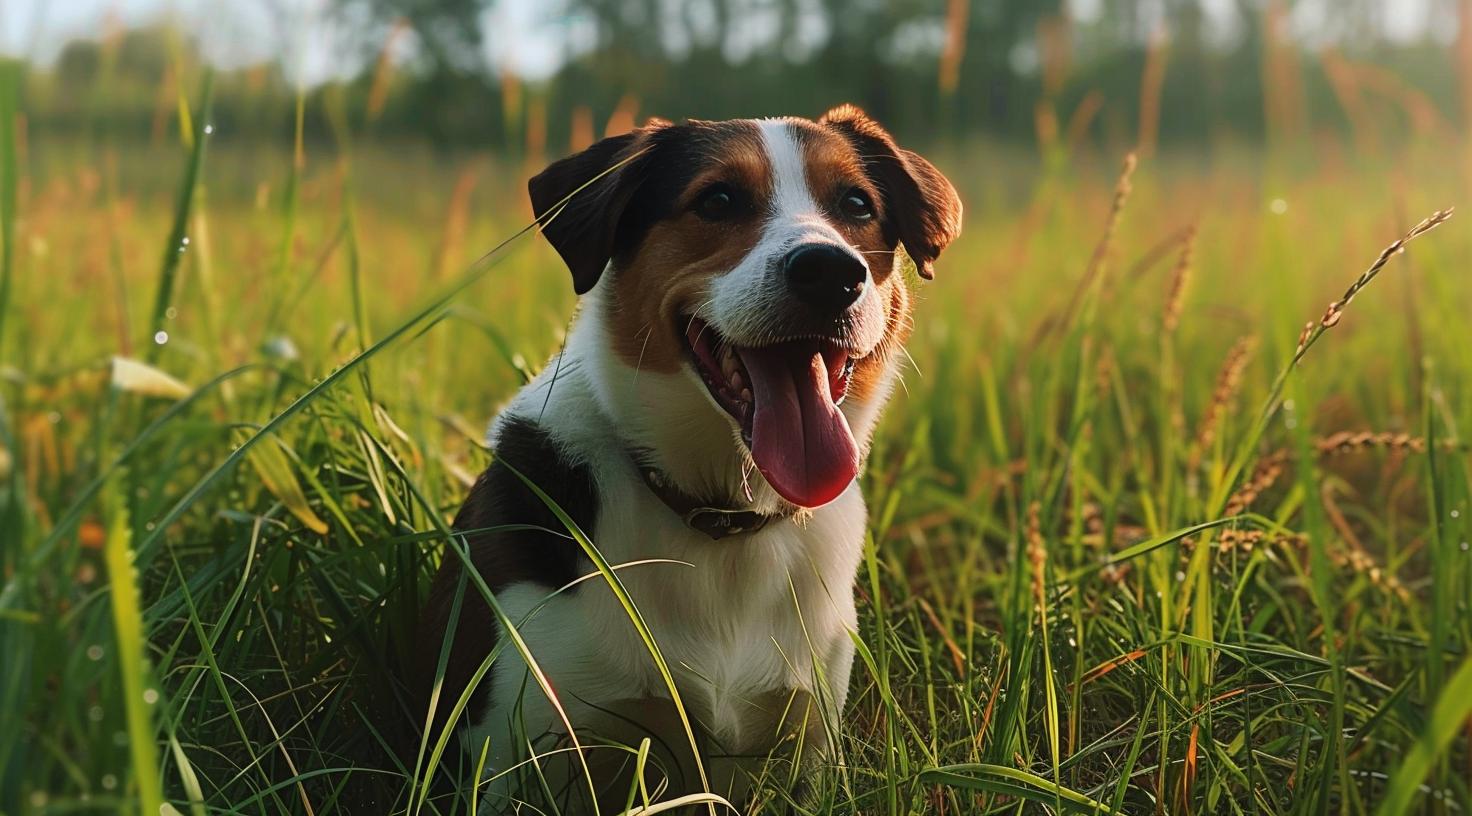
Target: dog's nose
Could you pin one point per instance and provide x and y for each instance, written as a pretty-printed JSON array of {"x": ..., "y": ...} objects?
[{"x": 825, "y": 276}]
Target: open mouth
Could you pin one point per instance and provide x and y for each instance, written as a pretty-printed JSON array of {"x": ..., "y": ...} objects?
[{"x": 785, "y": 399}]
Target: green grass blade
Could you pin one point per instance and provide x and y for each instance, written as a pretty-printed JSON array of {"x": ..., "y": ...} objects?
[
  {"x": 178, "y": 242},
  {"x": 979, "y": 776},
  {"x": 1448, "y": 717},
  {"x": 139, "y": 695}
]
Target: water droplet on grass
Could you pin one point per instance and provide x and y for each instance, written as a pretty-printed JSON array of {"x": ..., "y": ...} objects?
[
  {"x": 94, "y": 652},
  {"x": 171, "y": 313},
  {"x": 161, "y": 337},
  {"x": 1278, "y": 206},
  {"x": 109, "y": 781},
  {"x": 208, "y": 129},
  {"x": 150, "y": 696}
]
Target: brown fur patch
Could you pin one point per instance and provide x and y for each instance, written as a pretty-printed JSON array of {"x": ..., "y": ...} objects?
[
  {"x": 834, "y": 167},
  {"x": 670, "y": 273},
  {"x": 863, "y": 383}
]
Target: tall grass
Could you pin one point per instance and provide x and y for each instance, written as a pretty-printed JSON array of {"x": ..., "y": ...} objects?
[{"x": 1113, "y": 565}]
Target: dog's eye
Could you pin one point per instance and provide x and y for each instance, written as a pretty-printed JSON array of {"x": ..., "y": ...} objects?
[
  {"x": 856, "y": 205},
  {"x": 716, "y": 203}
]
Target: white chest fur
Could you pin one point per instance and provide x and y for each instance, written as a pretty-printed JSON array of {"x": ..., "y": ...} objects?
[{"x": 733, "y": 619}]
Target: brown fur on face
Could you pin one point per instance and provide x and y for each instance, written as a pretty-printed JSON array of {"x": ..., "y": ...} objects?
[
  {"x": 834, "y": 167},
  {"x": 679, "y": 255},
  {"x": 639, "y": 214}
]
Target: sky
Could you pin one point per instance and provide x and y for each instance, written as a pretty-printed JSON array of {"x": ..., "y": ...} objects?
[
  {"x": 239, "y": 32},
  {"x": 524, "y": 35}
]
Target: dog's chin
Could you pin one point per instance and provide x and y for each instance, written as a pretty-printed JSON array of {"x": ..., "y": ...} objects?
[{"x": 782, "y": 399}]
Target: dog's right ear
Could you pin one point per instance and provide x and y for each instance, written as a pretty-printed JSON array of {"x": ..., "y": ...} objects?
[{"x": 579, "y": 200}]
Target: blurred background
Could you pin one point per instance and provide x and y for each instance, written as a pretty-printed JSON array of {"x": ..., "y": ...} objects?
[{"x": 545, "y": 76}]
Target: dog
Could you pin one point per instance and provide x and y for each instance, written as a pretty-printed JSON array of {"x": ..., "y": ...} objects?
[{"x": 743, "y": 309}]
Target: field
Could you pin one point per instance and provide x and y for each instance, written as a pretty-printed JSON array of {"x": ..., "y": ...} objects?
[{"x": 1126, "y": 556}]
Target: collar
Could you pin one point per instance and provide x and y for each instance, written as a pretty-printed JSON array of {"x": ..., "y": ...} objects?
[{"x": 698, "y": 515}]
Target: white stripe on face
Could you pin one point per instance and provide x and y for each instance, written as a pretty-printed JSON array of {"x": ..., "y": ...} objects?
[
  {"x": 749, "y": 303},
  {"x": 791, "y": 198}
]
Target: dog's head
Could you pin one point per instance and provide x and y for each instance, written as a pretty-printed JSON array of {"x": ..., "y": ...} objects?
[{"x": 756, "y": 258}]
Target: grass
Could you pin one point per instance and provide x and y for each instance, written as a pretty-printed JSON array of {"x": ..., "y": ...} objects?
[{"x": 1139, "y": 541}]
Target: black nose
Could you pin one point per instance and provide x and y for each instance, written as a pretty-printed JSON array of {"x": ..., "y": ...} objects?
[{"x": 825, "y": 276}]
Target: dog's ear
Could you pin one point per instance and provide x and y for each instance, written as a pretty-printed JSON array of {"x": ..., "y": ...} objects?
[
  {"x": 579, "y": 200},
  {"x": 921, "y": 208}
]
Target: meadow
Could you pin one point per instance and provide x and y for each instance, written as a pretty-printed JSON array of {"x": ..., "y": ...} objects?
[{"x": 1151, "y": 531}]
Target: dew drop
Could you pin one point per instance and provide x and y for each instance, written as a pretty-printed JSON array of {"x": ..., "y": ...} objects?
[
  {"x": 95, "y": 713},
  {"x": 150, "y": 696},
  {"x": 171, "y": 313},
  {"x": 1456, "y": 514},
  {"x": 94, "y": 652},
  {"x": 208, "y": 129},
  {"x": 109, "y": 781},
  {"x": 161, "y": 337},
  {"x": 1278, "y": 206}
]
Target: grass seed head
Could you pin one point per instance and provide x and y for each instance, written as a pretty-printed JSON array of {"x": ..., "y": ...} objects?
[
  {"x": 1336, "y": 309},
  {"x": 1180, "y": 277},
  {"x": 1228, "y": 383},
  {"x": 1037, "y": 553},
  {"x": 1264, "y": 476}
]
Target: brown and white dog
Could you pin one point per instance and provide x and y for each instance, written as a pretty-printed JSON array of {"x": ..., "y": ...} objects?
[{"x": 743, "y": 310}]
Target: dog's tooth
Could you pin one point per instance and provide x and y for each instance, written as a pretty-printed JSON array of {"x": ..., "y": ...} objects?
[
  {"x": 746, "y": 395},
  {"x": 737, "y": 383}
]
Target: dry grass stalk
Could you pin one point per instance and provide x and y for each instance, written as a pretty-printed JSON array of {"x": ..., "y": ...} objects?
[
  {"x": 1353, "y": 441},
  {"x": 1104, "y": 373},
  {"x": 1228, "y": 382},
  {"x": 580, "y": 130},
  {"x": 1037, "y": 553},
  {"x": 1264, "y": 476},
  {"x": 621, "y": 121},
  {"x": 1303, "y": 337},
  {"x": 1152, "y": 79},
  {"x": 1095, "y": 269},
  {"x": 1179, "y": 278},
  {"x": 1336, "y": 309},
  {"x": 1081, "y": 118},
  {"x": 383, "y": 71},
  {"x": 955, "y": 46},
  {"x": 1244, "y": 540}
]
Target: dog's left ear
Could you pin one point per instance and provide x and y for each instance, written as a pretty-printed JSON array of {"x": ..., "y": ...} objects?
[
  {"x": 921, "y": 208},
  {"x": 579, "y": 200}
]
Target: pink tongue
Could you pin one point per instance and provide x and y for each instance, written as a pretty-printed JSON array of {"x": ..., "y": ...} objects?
[{"x": 800, "y": 440}]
